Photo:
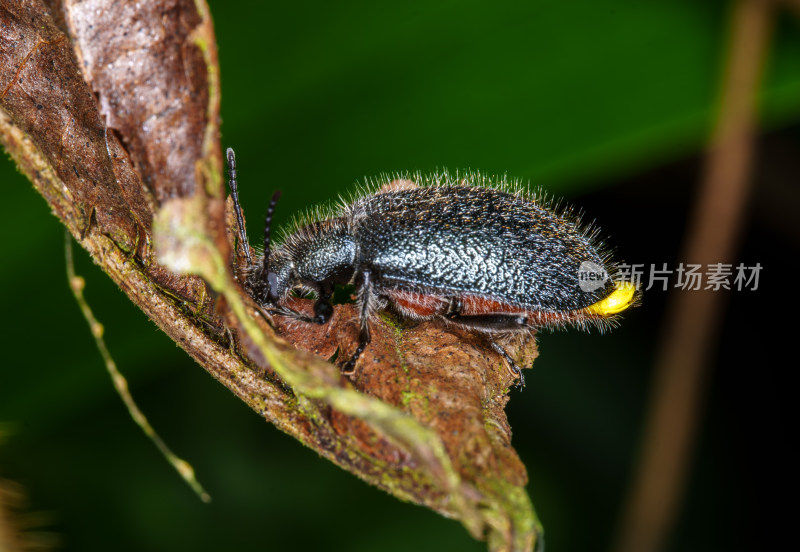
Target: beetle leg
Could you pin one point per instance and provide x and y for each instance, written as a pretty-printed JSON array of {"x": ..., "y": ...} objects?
[
  {"x": 322, "y": 313},
  {"x": 280, "y": 310},
  {"x": 323, "y": 309},
  {"x": 514, "y": 368},
  {"x": 365, "y": 298},
  {"x": 454, "y": 307},
  {"x": 490, "y": 323}
]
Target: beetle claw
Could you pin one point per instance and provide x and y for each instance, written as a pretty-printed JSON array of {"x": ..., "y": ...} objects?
[
  {"x": 513, "y": 365},
  {"x": 518, "y": 371},
  {"x": 348, "y": 368}
]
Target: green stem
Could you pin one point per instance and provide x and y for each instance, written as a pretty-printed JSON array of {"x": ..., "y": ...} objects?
[{"x": 76, "y": 284}]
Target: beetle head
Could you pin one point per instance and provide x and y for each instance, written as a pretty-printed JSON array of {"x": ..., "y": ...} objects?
[{"x": 277, "y": 276}]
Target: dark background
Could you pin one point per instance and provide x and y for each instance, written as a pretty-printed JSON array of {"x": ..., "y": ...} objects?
[{"x": 606, "y": 103}]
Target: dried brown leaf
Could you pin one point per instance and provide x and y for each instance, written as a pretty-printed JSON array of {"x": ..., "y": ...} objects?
[
  {"x": 144, "y": 63},
  {"x": 122, "y": 120}
]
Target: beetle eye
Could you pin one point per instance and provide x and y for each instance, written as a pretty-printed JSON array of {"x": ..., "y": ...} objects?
[{"x": 272, "y": 281}]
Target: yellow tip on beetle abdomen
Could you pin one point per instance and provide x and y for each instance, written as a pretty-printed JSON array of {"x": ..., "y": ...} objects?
[{"x": 620, "y": 299}]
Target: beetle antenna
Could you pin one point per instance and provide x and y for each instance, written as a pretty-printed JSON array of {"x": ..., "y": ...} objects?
[
  {"x": 236, "y": 207},
  {"x": 267, "y": 227}
]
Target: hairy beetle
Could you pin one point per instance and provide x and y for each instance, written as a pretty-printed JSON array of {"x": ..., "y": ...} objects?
[{"x": 491, "y": 259}]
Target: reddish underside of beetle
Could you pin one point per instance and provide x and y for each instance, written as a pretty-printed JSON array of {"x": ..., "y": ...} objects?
[{"x": 417, "y": 305}]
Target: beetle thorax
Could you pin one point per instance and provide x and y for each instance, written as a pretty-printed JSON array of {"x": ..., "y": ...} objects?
[
  {"x": 315, "y": 256},
  {"x": 322, "y": 252}
]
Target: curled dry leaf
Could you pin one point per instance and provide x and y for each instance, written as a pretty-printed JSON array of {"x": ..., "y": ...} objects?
[
  {"x": 118, "y": 121},
  {"x": 151, "y": 81},
  {"x": 462, "y": 395}
]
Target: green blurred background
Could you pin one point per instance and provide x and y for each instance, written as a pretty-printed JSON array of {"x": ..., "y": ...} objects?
[{"x": 606, "y": 103}]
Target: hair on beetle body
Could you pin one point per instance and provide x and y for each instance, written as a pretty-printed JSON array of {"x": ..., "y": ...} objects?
[{"x": 480, "y": 253}]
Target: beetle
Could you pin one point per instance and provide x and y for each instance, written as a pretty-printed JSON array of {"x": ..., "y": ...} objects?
[{"x": 486, "y": 257}]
